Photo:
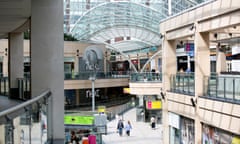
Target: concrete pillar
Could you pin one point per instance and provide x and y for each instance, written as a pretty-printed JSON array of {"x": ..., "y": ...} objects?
[
  {"x": 47, "y": 62},
  {"x": 2, "y": 136},
  {"x": 221, "y": 62},
  {"x": 76, "y": 65},
  {"x": 169, "y": 67},
  {"x": 5, "y": 61},
  {"x": 16, "y": 61},
  {"x": 77, "y": 97},
  {"x": 202, "y": 61},
  {"x": 235, "y": 62},
  {"x": 202, "y": 69},
  {"x": 156, "y": 64},
  {"x": 140, "y": 100},
  {"x": 169, "y": 62},
  {"x": 105, "y": 61}
]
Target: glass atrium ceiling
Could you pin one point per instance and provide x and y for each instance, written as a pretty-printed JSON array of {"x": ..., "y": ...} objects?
[{"x": 124, "y": 25}]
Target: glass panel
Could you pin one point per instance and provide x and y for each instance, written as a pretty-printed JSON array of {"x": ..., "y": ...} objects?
[
  {"x": 220, "y": 87},
  {"x": 31, "y": 126},
  {"x": 4, "y": 86},
  {"x": 104, "y": 20},
  {"x": 28, "y": 127},
  {"x": 212, "y": 86},
  {"x": 183, "y": 83},
  {"x": 229, "y": 88},
  {"x": 223, "y": 87},
  {"x": 237, "y": 89},
  {"x": 146, "y": 77}
]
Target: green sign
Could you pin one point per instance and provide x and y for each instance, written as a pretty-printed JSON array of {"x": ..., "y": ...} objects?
[{"x": 78, "y": 120}]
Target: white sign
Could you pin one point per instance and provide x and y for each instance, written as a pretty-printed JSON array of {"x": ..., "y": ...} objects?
[{"x": 174, "y": 120}]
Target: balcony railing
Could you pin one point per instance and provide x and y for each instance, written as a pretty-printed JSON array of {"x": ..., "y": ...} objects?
[
  {"x": 99, "y": 75},
  {"x": 24, "y": 88},
  {"x": 146, "y": 77},
  {"x": 183, "y": 83},
  {"x": 4, "y": 86},
  {"x": 223, "y": 87},
  {"x": 24, "y": 83},
  {"x": 26, "y": 122}
]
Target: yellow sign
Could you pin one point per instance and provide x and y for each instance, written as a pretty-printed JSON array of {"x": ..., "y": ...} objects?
[
  {"x": 126, "y": 90},
  {"x": 101, "y": 109},
  {"x": 236, "y": 140},
  {"x": 154, "y": 104}
]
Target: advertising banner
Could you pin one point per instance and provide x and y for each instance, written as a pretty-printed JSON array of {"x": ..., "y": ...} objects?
[{"x": 212, "y": 135}]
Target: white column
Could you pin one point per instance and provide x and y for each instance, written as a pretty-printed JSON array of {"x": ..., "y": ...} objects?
[
  {"x": 202, "y": 61},
  {"x": 16, "y": 61},
  {"x": 76, "y": 65},
  {"x": 188, "y": 62},
  {"x": 2, "y": 136},
  {"x": 5, "y": 62},
  {"x": 169, "y": 67},
  {"x": 235, "y": 62},
  {"x": 221, "y": 62},
  {"x": 202, "y": 68},
  {"x": 169, "y": 7},
  {"x": 140, "y": 100},
  {"x": 47, "y": 61}
]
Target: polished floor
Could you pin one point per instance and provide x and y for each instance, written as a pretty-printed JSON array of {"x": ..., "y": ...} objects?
[
  {"x": 6, "y": 103},
  {"x": 141, "y": 132}
]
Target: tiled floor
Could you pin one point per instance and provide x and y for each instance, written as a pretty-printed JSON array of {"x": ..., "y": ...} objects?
[{"x": 141, "y": 132}]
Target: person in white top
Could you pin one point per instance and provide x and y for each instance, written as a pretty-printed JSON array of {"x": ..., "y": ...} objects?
[
  {"x": 128, "y": 127},
  {"x": 153, "y": 123}
]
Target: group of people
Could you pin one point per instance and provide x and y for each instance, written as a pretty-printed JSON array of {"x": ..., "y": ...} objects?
[
  {"x": 128, "y": 126},
  {"x": 121, "y": 127}
]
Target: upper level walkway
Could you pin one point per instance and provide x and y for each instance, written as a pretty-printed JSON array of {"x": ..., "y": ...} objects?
[{"x": 141, "y": 132}]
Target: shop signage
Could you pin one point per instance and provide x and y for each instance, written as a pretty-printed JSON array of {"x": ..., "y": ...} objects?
[
  {"x": 153, "y": 104},
  {"x": 78, "y": 120}
]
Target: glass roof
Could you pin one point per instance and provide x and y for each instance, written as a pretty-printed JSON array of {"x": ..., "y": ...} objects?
[{"x": 125, "y": 25}]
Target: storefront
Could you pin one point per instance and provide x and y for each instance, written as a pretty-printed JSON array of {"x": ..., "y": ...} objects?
[
  {"x": 213, "y": 135},
  {"x": 152, "y": 108},
  {"x": 187, "y": 130},
  {"x": 174, "y": 128},
  {"x": 85, "y": 126},
  {"x": 181, "y": 129}
]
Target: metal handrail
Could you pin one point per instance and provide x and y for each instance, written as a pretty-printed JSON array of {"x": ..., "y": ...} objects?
[{"x": 46, "y": 93}]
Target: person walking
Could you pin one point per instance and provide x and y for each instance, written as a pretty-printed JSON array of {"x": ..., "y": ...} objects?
[
  {"x": 153, "y": 123},
  {"x": 128, "y": 127},
  {"x": 74, "y": 138},
  {"x": 120, "y": 127}
]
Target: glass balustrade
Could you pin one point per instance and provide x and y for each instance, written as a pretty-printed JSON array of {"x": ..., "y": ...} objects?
[
  {"x": 4, "y": 86},
  {"x": 183, "y": 83},
  {"x": 99, "y": 75},
  {"x": 146, "y": 77},
  {"x": 23, "y": 84},
  {"x": 25, "y": 122},
  {"x": 223, "y": 87}
]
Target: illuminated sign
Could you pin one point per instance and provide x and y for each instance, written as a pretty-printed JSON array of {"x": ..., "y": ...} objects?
[
  {"x": 101, "y": 109},
  {"x": 153, "y": 104},
  {"x": 78, "y": 120},
  {"x": 126, "y": 90}
]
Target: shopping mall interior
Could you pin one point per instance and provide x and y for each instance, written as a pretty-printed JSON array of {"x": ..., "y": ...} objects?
[{"x": 70, "y": 67}]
